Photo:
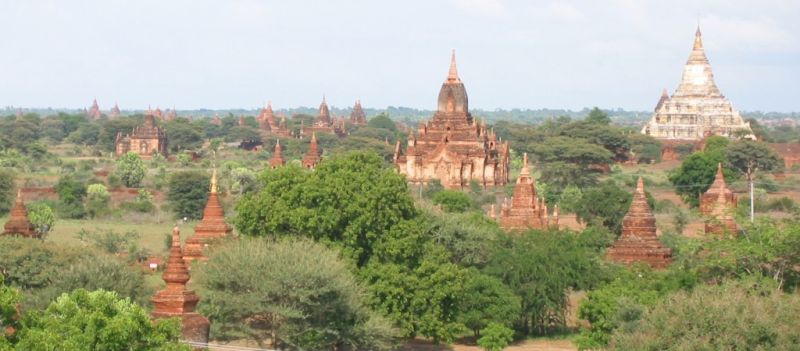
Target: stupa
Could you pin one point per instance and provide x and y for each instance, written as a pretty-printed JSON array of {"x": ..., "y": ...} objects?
[
  {"x": 452, "y": 147},
  {"x": 697, "y": 108},
  {"x": 708, "y": 200},
  {"x": 277, "y": 156},
  {"x": 639, "y": 242},
  {"x": 178, "y": 301},
  {"x": 115, "y": 112},
  {"x": 720, "y": 221},
  {"x": 313, "y": 155},
  {"x": 211, "y": 227},
  {"x": 358, "y": 117},
  {"x": 526, "y": 210},
  {"x": 94, "y": 111},
  {"x": 18, "y": 223}
]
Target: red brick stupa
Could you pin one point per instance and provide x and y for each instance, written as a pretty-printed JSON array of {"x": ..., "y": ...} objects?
[
  {"x": 526, "y": 209},
  {"x": 277, "y": 158},
  {"x": 178, "y": 301},
  {"x": 720, "y": 220},
  {"x": 18, "y": 223},
  {"x": 314, "y": 154},
  {"x": 709, "y": 199},
  {"x": 211, "y": 227},
  {"x": 639, "y": 242}
]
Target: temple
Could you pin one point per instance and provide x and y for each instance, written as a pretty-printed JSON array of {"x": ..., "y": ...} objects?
[
  {"x": 314, "y": 154},
  {"x": 145, "y": 140},
  {"x": 115, "y": 112},
  {"x": 211, "y": 227},
  {"x": 18, "y": 223},
  {"x": 526, "y": 210},
  {"x": 325, "y": 123},
  {"x": 171, "y": 115},
  {"x": 94, "y": 111},
  {"x": 268, "y": 123},
  {"x": 639, "y": 242},
  {"x": 277, "y": 156},
  {"x": 697, "y": 108},
  {"x": 358, "y": 117},
  {"x": 717, "y": 204},
  {"x": 178, "y": 301},
  {"x": 452, "y": 147}
]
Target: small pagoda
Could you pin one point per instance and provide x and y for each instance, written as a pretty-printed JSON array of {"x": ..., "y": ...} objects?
[
  {"x": 526, "y": 210},
  {"x": 211, "y": 227},
  {"x": 720, "y": 221},
  {"x": 18, "y": 223},
  {"x": 639, "y": 242},
  {"x": 358, "y": 117},
  {"x": 277, "y": 156},
  {"x": 708, "y": 200},
  {"x": 314, "y": 154},
  {"x": 178, "y": 301},
  {"x": 94, "y": 112},
  {"x": 268, "y": 123}
]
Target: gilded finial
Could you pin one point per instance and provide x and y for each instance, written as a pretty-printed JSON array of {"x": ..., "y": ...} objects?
[{"x": 214, "y": 181}]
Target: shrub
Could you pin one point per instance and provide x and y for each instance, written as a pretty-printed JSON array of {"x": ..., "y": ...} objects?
[
  {"x": 452, "y": 200},
  {"x": 495, "y": 337}
]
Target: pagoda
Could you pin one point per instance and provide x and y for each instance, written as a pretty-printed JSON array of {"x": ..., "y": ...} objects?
[
  {"x": 115, "y": 112},
  {"x": 358, "y": 117},
  {"x": 277, "y": 157},
  {"x": 697, "y": 108},
  {"x": 708, "y": 200},
  {"x": 211, "y": 227},
  {"x": 720, "y": 221},
  {"x": 314, "y": 154},
  {"x": 216, "y": 120},
  {"x": 526, "y": 210},
  {"x": 18, "y": 223},
  {"x": 324, "y": 123},
  {"x": 268, "y": 123},
  {"x": 145, "y": 140},
  {"x": 639, "y": 242},
  {"x": 94, "y": 111},
  {"x": 171, "y": 115},
  {"x": 178, "y": 301},
  {"x": 452, "y": 147}
]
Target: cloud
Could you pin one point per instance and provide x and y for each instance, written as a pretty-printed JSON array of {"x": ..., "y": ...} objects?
[
  {"x": 748, "y": 33},
  {"x": 492, "y": 8}
]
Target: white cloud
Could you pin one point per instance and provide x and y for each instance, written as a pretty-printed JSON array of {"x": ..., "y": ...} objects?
[
  {"x": 748, "y": 33},
  {"x": 493, "y": 8}
]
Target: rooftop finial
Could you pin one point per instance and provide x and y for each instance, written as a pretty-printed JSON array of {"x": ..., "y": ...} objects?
[
  {"x": 640, "y": 185},
  {"x": 452, "y": 76},
  {"x": 214, "y": 181},
  {"x": 698, "y": 40}
]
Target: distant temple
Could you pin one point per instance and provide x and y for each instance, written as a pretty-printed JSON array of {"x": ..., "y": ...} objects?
[
  {"x": 176, "y": 301},
  {"x": 145, "y": 140},
  {"x": 358, "y": 117},
  {"x": 639, "y": 242},
  {"x": 452, "y": 147},
  {"x": 325, "y": 123},
  {"x": 717, "y": 204},
  {"x": 211, "y": 227},
  {"x": 277, "y": 156},
  {"x": 18, "y": 223},
  {"x": 313, "y": 155},
  {"x": 697, "y": 108},
  {"x": 115, "y": 112},
  {"x": 94, "y": 111},
  {"x": 267, "y": 122},
  {"x": 526, "y": 210}
]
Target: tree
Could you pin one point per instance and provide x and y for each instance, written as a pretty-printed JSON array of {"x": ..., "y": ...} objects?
[
  {"x": 183, "y": 136},
  {"x": 736, "y": 315},
  {"x": 749, "y": 157},
  {"x": 244, "y": 289},
  {"x": 6, "y": 191},
  {"x": 495, "y": 337},
  {"x": 97, "y": 320},
  {"x": 382, "y": 121},
  {"x": 70, "y": 194},
  {"x": 41, "y": 216},
  {"x": 188, "y": 193},
  {"x": 452, "y": 200},
  {"x": 9, "y": 300},
  {"x": 599, "y": 116},
  {"x": 604, "y": 205},
  {"x": 97, "y": 199},
  {"x": 696, "y": 174},
  {"x": 131, "y": 169},
  {"x": 487, "y": 301}
]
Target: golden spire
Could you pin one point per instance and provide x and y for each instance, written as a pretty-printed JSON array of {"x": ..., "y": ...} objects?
[
  {"x": 19, "y": 195},
  {"x": 640, "y": 186},
  {"x": 524, "y": 170},
  {"x": 452, "y": 76},
  {"x": 214, "y": 181},
  {"x": 698, "y": 41}
]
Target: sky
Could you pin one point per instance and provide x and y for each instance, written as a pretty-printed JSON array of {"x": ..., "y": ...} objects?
[{"x": 222, "y": 54}]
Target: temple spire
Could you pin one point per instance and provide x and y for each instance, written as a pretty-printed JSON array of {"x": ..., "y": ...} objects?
[
  {"x": 525, "y": 171},
  {"x": 698, "y": 40},
  {"x": 214, "y": 181},
  {"x": 452, "y": 76}
]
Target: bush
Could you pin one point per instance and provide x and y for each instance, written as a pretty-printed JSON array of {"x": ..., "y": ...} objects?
[
  {"x": 452, "y": 200},
  {"x": 97, "y": 200},
  {"x": 131, "y": 169},
  {"x": 188, "y": 193},
  {"x": 495, "y": 337},
  {"x": 6, "y": 191}
]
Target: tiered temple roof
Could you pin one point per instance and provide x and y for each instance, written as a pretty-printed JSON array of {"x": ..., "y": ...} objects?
[
  {"x": 697, "y": 108},
  {"x": 211, "y": 227},
  {"x": 314, "y": 154},
  {"x": 277, "y": 156},
  {"x": 145, "y": 140},
  {"x": 358, "y": 116},
  {"x": 18, "y": 223},
  {"x": 325, "y": 123},
  {"x": 708, "y": 200},
  {"x": 267, "y": 122},
  {"x": 178, "y": 301},
  {"x": 452, "y": 147},
  {"x": 639, "y": 242},
  {"x": 115, "y": 112},
  {"x": 94, "y": 111},
  {"x": 526, "y": 209}
]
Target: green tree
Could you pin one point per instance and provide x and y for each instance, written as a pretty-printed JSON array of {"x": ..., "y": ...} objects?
[
  {"x": 183, "y": 136},
  {"x": 244, "y": 288},
  {"x": 487, "y": 301},
  {"x": 604, "y": 205},
  {"x": 750, "y": 157},
  {"x": 382, "y": 121},
  {"x": 188, "y": 193},
  {"x": 9, "y": 300},
  {"x": 598, "y": 116},
  {"x": 41, "y": 215},
  {"x": 696, "y": 174},
  {"x": 452, "y": 200},
  {"x": 131, "y": 169},
  {"x": 70, "y": 194},
  {"x": 97, "y": 320},
  {"x": 496, "y": 337},
  {"x": 97, "y": 200},
  {"x": 6, "y": 190}
]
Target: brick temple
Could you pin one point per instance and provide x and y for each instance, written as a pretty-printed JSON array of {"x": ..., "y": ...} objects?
[
  {"x": 325, "y": 123},
  {"x": 94, "y": 111},
  {"x": 314, "y": 154},
  {"x": 145, "y": 140},
  {"x": 176, "y": 301},
  {"x": 268, "y": 122},
  {"x": 720, "y": 220},
  {"x": 210, "y": 228},
  {"x": 526, "y": 210},
  {"x": 18, "y": 223},
  {"x": 708, "y": 200},
  {"x": 452, "y": 147},
  {"x": 358, "y": 117},
  {"x": 277, "y": 156},
  {"x": 697, "y": 108},
  {"x": 639, "y": 242}
]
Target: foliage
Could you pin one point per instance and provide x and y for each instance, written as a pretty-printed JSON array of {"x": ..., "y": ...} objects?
[
  {"x": 97, "y": 320},
  {"x": 243, "y": 180},
  {"x": 6, "y": 191},
  {"x": 184, "y": 159},
  {"x": 9, "y": 299},
  {"x": 736, "y": 315},
  {"x": 97, "y": 200},
  {"x": 183, "y": 136},
  {"x": 109, "y": 241},
  {"x": 188, "y": 193},
  {"x": 749, "y": 157},
  {"x": 131, "y": 169},
  {"x": 487, "y": 301},
  {"x": 680, "y": 219},
  {"x": 70, "y": 193},
  {"x": 597, "y": 115},
  {"x": 382, "y": 121},
  {"x": 495, "y": 337},
  {"x": 604, "y": 205},
  {"x": 452, "y": 200},
  {"x": 645, "y": 148},
  {"x": 571, "y": 199},
  {"x": 244, "y": 292},
  {"x": 41, "y": 215},
  {"x": 696, "y": 174}
]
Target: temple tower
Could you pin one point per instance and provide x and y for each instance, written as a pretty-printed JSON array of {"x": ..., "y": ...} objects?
[
  {"x": 211, "y": 227},
  {"x": 94, "y": 111},
  {"x": 314, "y": 154},
  {"x": 178, "y": 301},
  {"x": 525, "y": 210},
  {"x": 639, "y": 242},
  {"x": 277, "y": 156},
  {"x": 324, "y": 114},
  {"x": 18, "y": 223},
  {"x": 697, "y": 108},
  {"x": 115, "y": 112},
  {"x": 720, "y": 220},
  {"x": 358, "y": 117},
  {"x": 709, "y": 199}
]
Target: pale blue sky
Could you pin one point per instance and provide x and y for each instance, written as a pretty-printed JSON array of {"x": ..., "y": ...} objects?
[{"x": 511, "y": 54}]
